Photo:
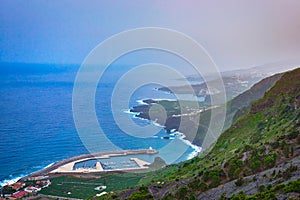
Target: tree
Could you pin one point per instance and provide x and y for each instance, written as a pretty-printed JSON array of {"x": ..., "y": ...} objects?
[
  {"x": 181, "y": 193},
  {"x": 239, "y": 182},
  {"x": 194, "y": 184},
  {"x": 255, "y": 165},
  {"x": 270, "y": 161},
  {"x": 202, "y": 187},
  {"x": 292, "y": 151},
  {"x": 286, "y": 151},
  {"x": 261, "y": 188}
]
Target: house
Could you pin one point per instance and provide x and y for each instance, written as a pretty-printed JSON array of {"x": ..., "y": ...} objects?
[
  {"x": 17, "y": 185},
  {"x": 19, "y": 194},
  {"x": 31, "y": 189},
  {"x": 100, "y": 188},
  {"x": 45, "y": 183},
  {"x": 101, "y": 194}
]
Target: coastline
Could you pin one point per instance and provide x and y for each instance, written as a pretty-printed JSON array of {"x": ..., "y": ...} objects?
[
  {"x": 58, "y": 167},
  {"x": 10, "y": 181},
  {"x": 63, "y": 166},
  {"x": 19, "y": 177},
  {"x": 173, "y": 132}
]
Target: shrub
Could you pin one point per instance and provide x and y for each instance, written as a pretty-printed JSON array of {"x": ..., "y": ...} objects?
[
  {"x": 239, "y": 182},
  {"x": 293, "y": 135},
  {"x": 7, "y": 190},
  {"x": 270, "y": 161},
  {"x": 237, "y": 172},
  {"x": 215, "y": 181},
  {"x": 194, "y": 184},
  {"x": 181, "y": 193},
  {"x": 140, "y": 195},
  {"x": 261, "y": 188},
  {"x": 203, "y": 187},
  {"x": 269, "y": 187},
  {"x": 255, "y": 165},
  {"x": 168, "y": 197},
  {"x": 205, "y": 176},
  {"x": 293, "y": 186},
  {"x": 275, "y": 145}
]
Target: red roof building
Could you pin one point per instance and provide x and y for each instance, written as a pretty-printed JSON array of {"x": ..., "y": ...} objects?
[
  {"x": 19, "y": 194},
  {"x": 18, "y": 185},
  {"x": 31, "y": 189}
]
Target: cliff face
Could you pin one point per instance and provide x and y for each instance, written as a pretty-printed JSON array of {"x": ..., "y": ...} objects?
[
  {"x": 285, "y": 94},
  {"x": 257, "y": 91}
]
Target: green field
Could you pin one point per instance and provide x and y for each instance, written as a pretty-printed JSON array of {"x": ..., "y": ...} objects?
[{"x": 84, "y": 187}]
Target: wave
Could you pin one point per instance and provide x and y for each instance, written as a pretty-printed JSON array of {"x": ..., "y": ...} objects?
[
  {"x": 157, "y": 124},
  {"x": 165, "y": 99},
  {"x": 49, "y": 165},
  {"x": 131, "y": 113},
  {"x": 11, "y": 180},
  {"x": 197, "y": 149},
  {"x": 15, "y": 179},
  {"x": 181, "y": 136},
  {"x": 141, "y": 102},
  {"x": 173, "y": 132}
]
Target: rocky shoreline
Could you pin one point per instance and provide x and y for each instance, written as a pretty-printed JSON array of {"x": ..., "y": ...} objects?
[
  {"x": 171, "y": 125},
  {"x": 142, "y": 111}
]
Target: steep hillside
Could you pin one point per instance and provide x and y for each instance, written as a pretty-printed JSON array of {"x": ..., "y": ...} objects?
[
  {"x": 267, "y": 136},
  {"x": 241, "y": 102}
]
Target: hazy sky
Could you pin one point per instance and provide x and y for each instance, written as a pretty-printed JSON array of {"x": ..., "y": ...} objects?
[{"x": 237, "y": 34}]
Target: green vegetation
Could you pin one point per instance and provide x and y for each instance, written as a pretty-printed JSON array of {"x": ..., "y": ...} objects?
[
  {"x": 84, "y": 187},
  {"x": 267, "y": 134},
  {"x": 143, "y": 193},
  {"x": 7, "y": 190},
  {"x": 270, "y": 192}
]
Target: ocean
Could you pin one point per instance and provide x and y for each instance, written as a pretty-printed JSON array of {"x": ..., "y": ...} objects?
[{"x": 36, "y": 120}]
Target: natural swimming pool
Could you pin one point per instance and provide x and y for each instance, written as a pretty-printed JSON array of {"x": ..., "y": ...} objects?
[{"x": 112, "y": 163}]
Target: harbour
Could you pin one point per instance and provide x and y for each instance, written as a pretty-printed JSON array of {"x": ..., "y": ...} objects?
[{"x": 124, "y": 160}]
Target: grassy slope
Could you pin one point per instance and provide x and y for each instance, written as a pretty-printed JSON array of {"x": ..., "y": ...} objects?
[
  {"x": 242, "y": 101},
  {"x": 276, "y": 119},
  {"x": 273, "y": 122}
]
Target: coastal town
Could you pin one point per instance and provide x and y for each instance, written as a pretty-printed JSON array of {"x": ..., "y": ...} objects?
[{"x": 21, "y": 189}]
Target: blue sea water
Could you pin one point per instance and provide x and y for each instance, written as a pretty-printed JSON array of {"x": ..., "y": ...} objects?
[{"x": 36, "y": 120}]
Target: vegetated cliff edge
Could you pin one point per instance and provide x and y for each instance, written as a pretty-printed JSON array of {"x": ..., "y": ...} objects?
[{"x": 268, "y": 135}]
